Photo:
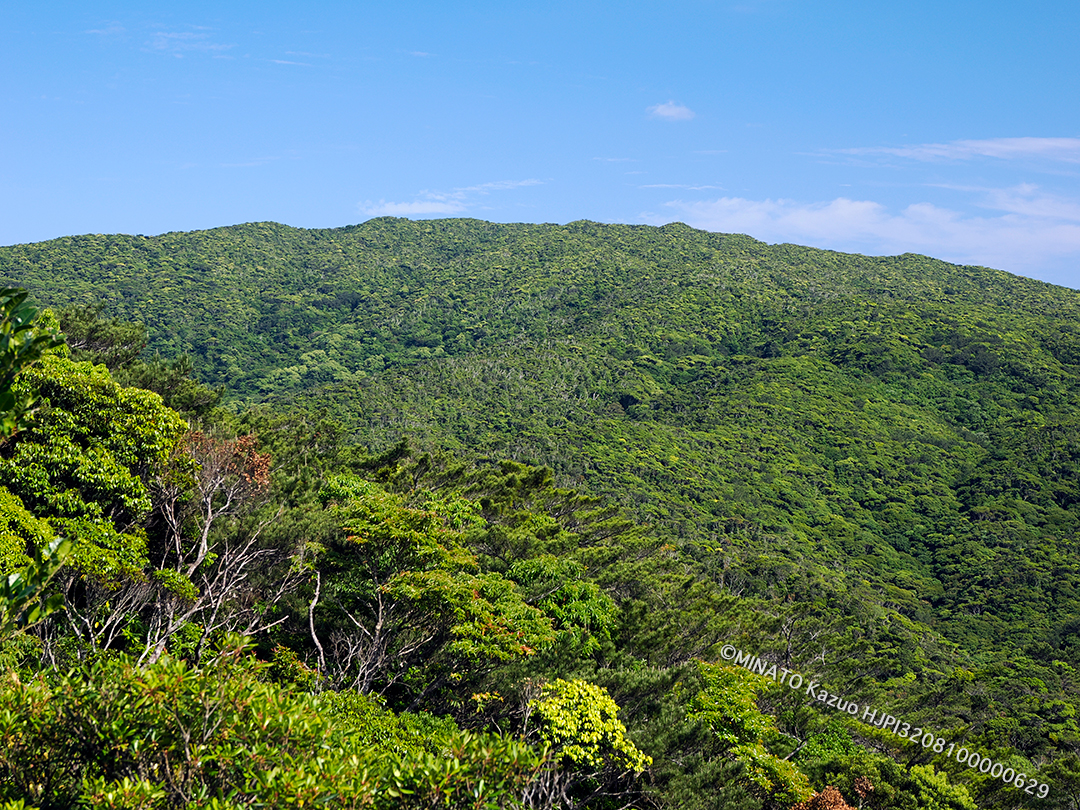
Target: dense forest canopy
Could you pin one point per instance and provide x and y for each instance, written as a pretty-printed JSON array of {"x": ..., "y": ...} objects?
[{"x": 863, "y": 469}]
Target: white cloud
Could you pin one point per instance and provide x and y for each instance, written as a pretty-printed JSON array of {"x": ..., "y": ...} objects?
[
  {"x": 1026, "y": 199},
  {"x": 178, "y": 41},
  {"x": 1061, "y": 149},
  {"x": 403, "y": 209},
  {"x": 671, "y": 111},
  {"x": 1031, "y": 230},
  {"x": 261, "y": 161},
  {"x": 456, "y": 201},
  {"x": 109, "y": 30},
  {"x": 680, "y": 185},
  {"x": 498, "y": 185}
]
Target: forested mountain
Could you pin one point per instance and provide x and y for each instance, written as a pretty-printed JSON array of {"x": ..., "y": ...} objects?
[{"x": 862, "y": 469}]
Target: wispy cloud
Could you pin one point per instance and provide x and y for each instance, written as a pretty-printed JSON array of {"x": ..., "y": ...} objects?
[
  {"x": 404, "y": 209},
  {"x": 501, "y": 185},
  {"x": 247, "y": 164},
  {"x": 287, "y": 62},
  {"x": 1057, "y": 149},
  {"x": 457, "y": 201},
  {"x": 177, "y": 42},
  {"x": 112, "y": 29},
  {"x": 680, "y": 185},
  {"x": 1028, "y": 230},
  {"x": 670, "y": 111},
  {"x": 1026, "y": 199}
]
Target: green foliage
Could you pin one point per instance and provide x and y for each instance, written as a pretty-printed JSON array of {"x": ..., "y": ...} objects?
[
  {"x": 90, "y": 337},
  {"x": 124, "y": 793},
  {"x": 174, "y": 382},
  {"x": 580, "y": 721},
  {"x": 583, "y": 615},
  {"x": 473, "y": 771},
  {"x": 405, "y": 579},
  {"x": 399, "y": 734},
  {"x": 23, "y": 341},
  {"x": 111, "y": 734},
  {"x": 19, "y": 530},
  {"x": 86, "y": 462},
  {"x": 24, "y": 597},
  {"x": 119, "y": 345},
  {"x": 727, "y": 706},
  {"x": 935, "y": 792}
]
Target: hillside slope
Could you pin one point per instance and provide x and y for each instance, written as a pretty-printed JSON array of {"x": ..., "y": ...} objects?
[{"x": 909, "y": 421}]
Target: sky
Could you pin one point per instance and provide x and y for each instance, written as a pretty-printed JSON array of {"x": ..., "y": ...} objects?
[{"x": 945, "y": 127}]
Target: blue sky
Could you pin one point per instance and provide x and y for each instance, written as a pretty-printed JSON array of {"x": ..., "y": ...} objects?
[{"x": 948, "y": 128}]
